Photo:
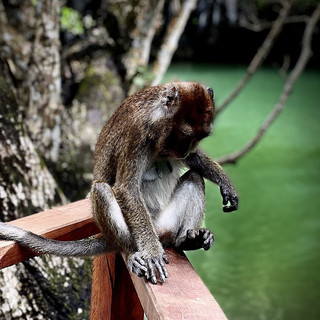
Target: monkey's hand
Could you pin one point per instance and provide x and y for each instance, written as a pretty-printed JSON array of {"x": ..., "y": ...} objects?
[
  {"x": 142, "y": 266},
  {"x": 229, "y": 195}
]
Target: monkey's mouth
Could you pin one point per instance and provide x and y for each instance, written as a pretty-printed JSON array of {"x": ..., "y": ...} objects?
[{"x": 191, "y": 149}]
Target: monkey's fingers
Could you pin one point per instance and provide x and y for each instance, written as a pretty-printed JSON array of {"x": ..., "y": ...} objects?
[
  {"x": 165, "y": 258},
  {"x": 140, "y": 261},
  {"x": 150, "y": 274},
  {"x": 139, "y": 272},
  {"x": 163, "y": 274},
  {"x": 225, "y": 196},
  {"x": 138, "y": 265},
  {"x": 233, "y": 205}
]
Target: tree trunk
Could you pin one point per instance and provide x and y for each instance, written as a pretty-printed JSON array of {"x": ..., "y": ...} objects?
[
  {"x": 47, "y": 287},
  {"x": 30, "y": 46}
]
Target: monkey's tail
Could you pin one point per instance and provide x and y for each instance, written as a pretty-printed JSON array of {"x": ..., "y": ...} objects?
[{"x": 39, "y": 244}]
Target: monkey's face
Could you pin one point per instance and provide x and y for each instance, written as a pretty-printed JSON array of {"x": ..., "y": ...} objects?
[{"x": 193, "y": 121}]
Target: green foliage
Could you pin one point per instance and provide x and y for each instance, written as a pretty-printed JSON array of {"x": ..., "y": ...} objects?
[{"x": 71, "y": 21}]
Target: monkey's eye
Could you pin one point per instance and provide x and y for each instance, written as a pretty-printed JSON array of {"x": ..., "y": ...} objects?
[{"x": 210, "y": 91}]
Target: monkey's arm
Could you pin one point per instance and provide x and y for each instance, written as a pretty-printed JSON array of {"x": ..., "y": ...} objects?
[{"x": 211, "y": 170}]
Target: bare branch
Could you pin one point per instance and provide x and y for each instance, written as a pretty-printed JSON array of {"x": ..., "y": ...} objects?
[
  {"x": 260, "y": 26},
  {"x": 260, "y": 55},
  {"x": 294, "y": 75},
  {"x": 171, "y": 39}
]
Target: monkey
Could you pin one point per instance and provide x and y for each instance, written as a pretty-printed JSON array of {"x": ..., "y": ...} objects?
[{"x": 148, "y": 188}]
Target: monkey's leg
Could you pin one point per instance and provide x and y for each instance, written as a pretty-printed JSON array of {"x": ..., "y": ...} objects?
[
  {"x": 108, "y": 215},
  {"x": 111, "y": 222},
  {"x": 179, "y": 223}
]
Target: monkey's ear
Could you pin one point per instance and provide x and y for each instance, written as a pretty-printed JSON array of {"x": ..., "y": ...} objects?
[
  {"x": 171, "y": 97},
  {"x": 167, "y": 104},
  {"x": 211, "y": 92}
]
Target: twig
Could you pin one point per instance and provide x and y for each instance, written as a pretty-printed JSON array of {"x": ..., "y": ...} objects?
[
  {"x": 171, "y": 39},
  {"x": 287, "y": 89},
  {"x": 260, "y": 55},
  {"x": 258, "y": 27}
]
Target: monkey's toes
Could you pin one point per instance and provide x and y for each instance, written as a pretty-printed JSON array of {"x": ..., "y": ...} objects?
[
  {"x": 149, "y": 267},
  {"x": 208, "y": 238},
  {"x": 197, "y": 239},
  {"x": 192, "y": 233},
  {"x": 157, "y": 265},
  {"x": 137, "y": 264}
]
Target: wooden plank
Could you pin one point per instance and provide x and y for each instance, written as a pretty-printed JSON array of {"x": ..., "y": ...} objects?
[
  {"x": 70, "y": 222},
  {"x": 125, "y": 302},
  {"x": 103, "y": 281},
  {"x": 182, "y": 296}
]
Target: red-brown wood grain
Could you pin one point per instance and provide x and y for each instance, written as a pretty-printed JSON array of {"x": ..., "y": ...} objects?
[
  {"x": 103, "y": 282},
  {"x": 125, "y": 302},
  {"x": 70, "y": 222},
  {"x": 182, "y": 296}
]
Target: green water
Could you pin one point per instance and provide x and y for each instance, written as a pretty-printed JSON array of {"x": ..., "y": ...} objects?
[{"x": 265, "y": 262}]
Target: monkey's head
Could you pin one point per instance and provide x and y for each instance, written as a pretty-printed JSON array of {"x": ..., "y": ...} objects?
[{"x": 192, "y": 117}]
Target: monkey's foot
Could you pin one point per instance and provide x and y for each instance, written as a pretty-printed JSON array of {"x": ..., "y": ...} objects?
[
  {"x": 146, "y": 267},
  {"x": 197, "y": 239}
]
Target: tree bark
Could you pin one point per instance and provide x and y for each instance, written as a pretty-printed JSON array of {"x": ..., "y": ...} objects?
[
  {"x": 30, "y": 46},
  {"x": 33, "y": 289},
  {"x": 46, "y": 287},
  {"x": 26, "y": 185}
]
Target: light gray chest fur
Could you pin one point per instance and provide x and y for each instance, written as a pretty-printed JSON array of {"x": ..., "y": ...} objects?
[{"x": 158, "y": 184}]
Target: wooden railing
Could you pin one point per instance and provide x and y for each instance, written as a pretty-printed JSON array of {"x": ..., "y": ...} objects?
[{"x": 117, "y": 293}]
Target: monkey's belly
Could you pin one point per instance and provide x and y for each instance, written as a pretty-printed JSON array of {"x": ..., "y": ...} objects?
[{"x": 158, "y": 185}]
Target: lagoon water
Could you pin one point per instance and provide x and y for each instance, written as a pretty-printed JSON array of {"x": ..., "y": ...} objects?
[{"x": 265, "y": 263}]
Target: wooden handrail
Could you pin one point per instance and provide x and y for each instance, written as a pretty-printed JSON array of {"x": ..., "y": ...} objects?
[
  {"x": 117, "y": 293},
  {"x": 70, "y": 222},
  {"x": 182, "y": 296}
]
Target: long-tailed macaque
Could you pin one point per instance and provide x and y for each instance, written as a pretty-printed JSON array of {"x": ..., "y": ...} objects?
[{"x": 140, "y": 200}]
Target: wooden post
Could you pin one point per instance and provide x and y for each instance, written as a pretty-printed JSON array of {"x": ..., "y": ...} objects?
[
  {"x": 125, "y": 302},
  {"x": 113, "y": 296},
  {"x": 103, "y": 280}
]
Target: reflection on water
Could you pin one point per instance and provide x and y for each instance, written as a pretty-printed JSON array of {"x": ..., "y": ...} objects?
[{"x": 265, "y": 262}]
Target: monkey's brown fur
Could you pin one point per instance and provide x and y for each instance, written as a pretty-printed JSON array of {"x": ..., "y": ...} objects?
[
  {"x": 138, "y": 194},
  {"x": 136, "y": 137}
]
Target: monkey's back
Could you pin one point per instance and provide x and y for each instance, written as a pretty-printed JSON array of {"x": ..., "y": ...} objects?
[{"x": 125, "y": 134}]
